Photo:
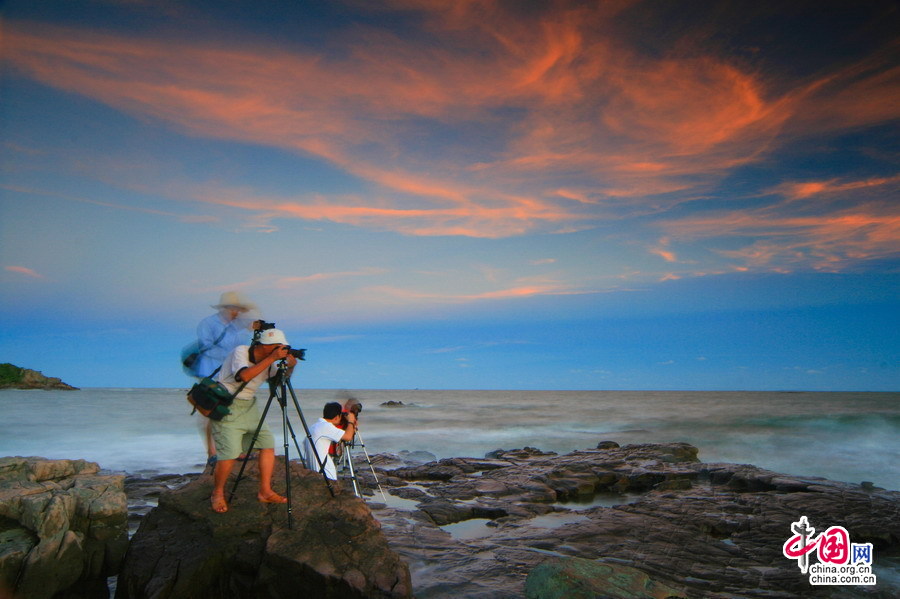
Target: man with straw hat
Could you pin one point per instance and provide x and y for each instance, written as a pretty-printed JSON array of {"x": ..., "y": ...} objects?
[{"x": 217, "y": 335}]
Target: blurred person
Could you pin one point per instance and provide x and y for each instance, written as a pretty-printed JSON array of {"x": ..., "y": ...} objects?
[
  {"x": 218, "y": 334},
  {"x": 221, "y": 332},
  {"x": 325, "y": 432},
  {"x": 253, "y": 365}
]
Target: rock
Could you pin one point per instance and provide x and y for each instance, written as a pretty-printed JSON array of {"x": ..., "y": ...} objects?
[
  {"x": 62, "y": 527},
  {"x": 520, "y": 454},
  {"x": 14, "y": 377},
  {"x": 393, "y": 404},
  {"x": 143, "y": 493},
  {"x": 654, "y": 511},
  {"x": 404, "y": 458},
  {"x": 335, "y": 548},
  {"x": 577, "y": 578}
]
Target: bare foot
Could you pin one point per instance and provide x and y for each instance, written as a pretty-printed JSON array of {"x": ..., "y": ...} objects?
[
  {"x": 218, "y": 504},
  {"x": 273, "y": 497}
]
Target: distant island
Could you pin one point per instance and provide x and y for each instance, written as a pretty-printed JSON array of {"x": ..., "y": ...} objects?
[{"x": 14, "y": 377}]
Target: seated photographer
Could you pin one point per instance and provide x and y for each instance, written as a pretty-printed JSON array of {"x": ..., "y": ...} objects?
[
  {"x": 325, "y": 432},
  {"x": 253, "y": 365}
]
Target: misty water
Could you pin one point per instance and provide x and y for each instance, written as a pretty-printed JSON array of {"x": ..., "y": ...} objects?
[{"x": 851, "y": 437}]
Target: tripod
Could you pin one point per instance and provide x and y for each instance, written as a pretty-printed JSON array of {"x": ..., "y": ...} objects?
[
  {"x": 278, "y": 390},
  {"x": 347, "y": 461}
]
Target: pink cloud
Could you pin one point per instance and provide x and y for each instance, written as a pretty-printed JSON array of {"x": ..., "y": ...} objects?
[
  {"x": 399, "y": 294},
  {"x": 286, "y": 282},
  {"x": 24, "y": 271}
]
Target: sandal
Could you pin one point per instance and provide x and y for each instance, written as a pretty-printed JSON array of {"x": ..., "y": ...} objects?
[{"x": 218, "y": 504}]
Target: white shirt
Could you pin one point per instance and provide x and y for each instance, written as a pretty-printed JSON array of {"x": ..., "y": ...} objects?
[
  {"x": 323, "y": 433},
  {"x": 238, "y": 359}
]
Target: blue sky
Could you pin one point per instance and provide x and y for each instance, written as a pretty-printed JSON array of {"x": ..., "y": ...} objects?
[{"x": 444, "y": 194}]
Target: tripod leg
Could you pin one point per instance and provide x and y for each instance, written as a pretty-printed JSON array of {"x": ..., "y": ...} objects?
[
  {"x": 349, "y": 459},
  {"x": 369, "y": 460},
  {"x": 287, "y": 462},
  {"x": 309, "y": 438}
]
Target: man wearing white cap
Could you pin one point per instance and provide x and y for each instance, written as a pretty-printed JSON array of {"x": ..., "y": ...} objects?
[{"x": 250, "y": 366}]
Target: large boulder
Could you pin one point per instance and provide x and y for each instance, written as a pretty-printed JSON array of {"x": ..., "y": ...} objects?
[
  {"x": 335, "y": 548},
  {"x": 63, "y": 527}
]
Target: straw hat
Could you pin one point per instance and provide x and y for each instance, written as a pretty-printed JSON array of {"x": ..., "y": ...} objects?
[{"x": 235, "y": 298}]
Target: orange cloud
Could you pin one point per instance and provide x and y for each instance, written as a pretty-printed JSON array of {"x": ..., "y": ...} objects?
[
  {"x": 801, "y": 232},
  {"x": 797, "y": 191},
  {"x": 664, "y": 254},
  {"x": 573, "y": 124}
]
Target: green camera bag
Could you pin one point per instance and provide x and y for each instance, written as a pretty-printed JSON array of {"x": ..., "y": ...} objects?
[{"x": 211, "y": 398}]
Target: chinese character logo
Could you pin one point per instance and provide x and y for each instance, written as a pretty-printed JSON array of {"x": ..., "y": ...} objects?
[{"x": 840, "y": 562}]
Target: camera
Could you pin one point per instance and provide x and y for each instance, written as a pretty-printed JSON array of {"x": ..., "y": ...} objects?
[
  {"x": 300, "y": 354},
  {"x": 352, "y": 405}
]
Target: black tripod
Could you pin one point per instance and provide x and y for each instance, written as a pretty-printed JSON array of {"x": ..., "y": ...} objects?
[{"x": 279, "y": 385}]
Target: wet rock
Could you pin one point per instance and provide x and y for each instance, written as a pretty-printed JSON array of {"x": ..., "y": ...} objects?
[
  {"x": 675, "y": 524},
  {"x": 607, "y": 445},
  {"x": 143, "y": 491},
  {"x": 518, "y": 454},
  {"x": 577, "y": 578}
]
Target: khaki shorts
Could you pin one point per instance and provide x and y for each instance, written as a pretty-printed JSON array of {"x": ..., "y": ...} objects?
[{"x": 234, "y": 433}]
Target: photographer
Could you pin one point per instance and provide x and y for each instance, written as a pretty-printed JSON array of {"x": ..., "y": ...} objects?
[
  {"x": 221, "y": 332},
  {"x": 253, "y": 365},
  {"x": 325, "y": 432},
  {"x": 217, "y": 335}
]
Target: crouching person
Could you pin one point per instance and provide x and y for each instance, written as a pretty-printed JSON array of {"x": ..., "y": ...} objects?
[
  {"x": 250, "y": 366},
  {"x": 324, "y": 433}
]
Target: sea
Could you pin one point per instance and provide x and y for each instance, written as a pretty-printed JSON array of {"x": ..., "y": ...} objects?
[{"x": 851, "y": 437}]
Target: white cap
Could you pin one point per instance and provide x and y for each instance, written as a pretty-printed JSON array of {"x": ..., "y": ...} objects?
[{"x": 272, "y": 337}]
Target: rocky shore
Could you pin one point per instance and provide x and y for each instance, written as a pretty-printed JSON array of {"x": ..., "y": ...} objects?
[
  {"x": 633, "y": 521},
  {"x": 15, "y": 377},
  {"x": 604, "y": 522}
]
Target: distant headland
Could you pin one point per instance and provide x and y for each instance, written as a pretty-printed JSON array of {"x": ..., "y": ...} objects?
[{"x": 14, "y": 377}]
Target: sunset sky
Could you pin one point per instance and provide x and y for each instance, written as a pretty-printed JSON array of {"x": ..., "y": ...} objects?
[{"x": 457, "y": 193}]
